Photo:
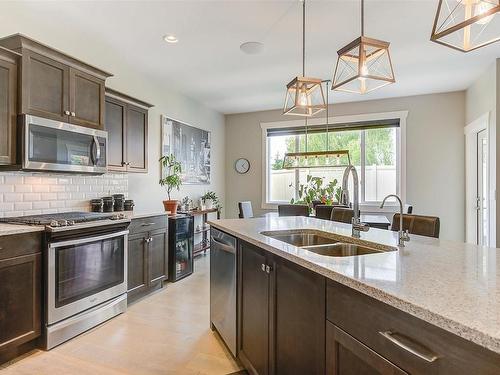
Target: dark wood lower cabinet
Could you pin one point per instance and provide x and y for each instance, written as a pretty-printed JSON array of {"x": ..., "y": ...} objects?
[
  {"x": 20, "y": 293},
  {"x": 255, "y": 316},
  {"x": 348, "y": 356},
  {"x": 282, "y": 315},
  {"x": 147, "y": 256}
]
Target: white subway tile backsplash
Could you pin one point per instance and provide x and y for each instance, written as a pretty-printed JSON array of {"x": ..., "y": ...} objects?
[
  {"x": 12, "y": 197},
  {"x": 35, "y": 193}
]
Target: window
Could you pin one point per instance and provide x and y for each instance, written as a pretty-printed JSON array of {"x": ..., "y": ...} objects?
[{"x": 374, "y": 149}]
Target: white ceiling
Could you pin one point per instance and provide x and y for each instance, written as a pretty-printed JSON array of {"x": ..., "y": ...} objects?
[{"x": 208, "y": 65}]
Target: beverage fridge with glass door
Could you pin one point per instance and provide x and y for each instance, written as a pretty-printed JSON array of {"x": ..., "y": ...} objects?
[{"x": 181, "y": 243}]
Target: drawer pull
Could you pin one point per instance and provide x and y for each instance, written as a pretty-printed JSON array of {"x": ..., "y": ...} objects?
[
  {"x": 147, "y": 224},
  {"x": 428, "y": 357}
]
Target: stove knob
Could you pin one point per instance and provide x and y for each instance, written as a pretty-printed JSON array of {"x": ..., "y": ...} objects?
[
  {"x": 71, "y": 222},
  {"x": 54, "y": 223},
  {"x": 63, "y": 223}
]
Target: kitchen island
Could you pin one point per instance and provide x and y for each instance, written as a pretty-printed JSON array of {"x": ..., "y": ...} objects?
[{"x": 430, "y": 307}]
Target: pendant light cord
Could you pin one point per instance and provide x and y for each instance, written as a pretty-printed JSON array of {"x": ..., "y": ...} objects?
[
  {"x": 362, "y": 17},
  {"x": 303, "y": 38}
]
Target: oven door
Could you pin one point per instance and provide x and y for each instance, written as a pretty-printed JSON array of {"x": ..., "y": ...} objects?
[
  {"x": 57, "y": 146},
  {"x": 85, "y": 272}
]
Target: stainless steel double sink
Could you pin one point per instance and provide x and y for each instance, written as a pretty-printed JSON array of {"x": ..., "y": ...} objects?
[{"x": 312, "y": 240}]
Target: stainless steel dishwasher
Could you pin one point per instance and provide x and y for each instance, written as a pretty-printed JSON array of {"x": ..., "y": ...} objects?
[{"x": 223, "y": 286}]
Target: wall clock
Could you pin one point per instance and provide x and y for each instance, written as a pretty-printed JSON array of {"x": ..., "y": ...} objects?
[{"x": 242, "y": 166}]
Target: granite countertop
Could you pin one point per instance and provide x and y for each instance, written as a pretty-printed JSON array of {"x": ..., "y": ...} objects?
[
  {"x": 138, "y": 214},
  {"x": 8, "y": 229},
  {"x": 452, "y": 285}
]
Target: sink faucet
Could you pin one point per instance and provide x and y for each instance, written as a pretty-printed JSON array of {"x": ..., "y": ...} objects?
[
  {"x": 357, "y": 225},
  {"x": 403, "y": 235}
]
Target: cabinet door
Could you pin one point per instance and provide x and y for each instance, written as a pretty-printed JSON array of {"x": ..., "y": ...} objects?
[
  {"x": 8, "y": 111},
  {"x": 300, "y": 319},
  {"x": 86, "y": 100},
  {"x": 115, "y": 126},
  {"x": 137, "y": 265},
  {"x": 158, "y": 256},
  {"x": 45, "y": 87},
  {"x": 254, "y": 309},
  {"x": 347, "y": 356},
  {"x": 137, "y": 139},
  {"x": 20, "y": 300}
]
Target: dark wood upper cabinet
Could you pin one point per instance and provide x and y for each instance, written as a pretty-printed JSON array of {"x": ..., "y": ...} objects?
[
  {"x": 127, "y": 126},
  {"x": 57, "y": 86},
  {"x": 86, "y": 99},
  {"x": 9, "y": 62},
  {"x": 20, "y": 291}
]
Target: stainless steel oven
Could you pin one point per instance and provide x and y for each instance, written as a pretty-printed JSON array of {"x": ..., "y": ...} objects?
[
  {"x": 50, "y": 145},
  {"x": 86, "y": 283}
]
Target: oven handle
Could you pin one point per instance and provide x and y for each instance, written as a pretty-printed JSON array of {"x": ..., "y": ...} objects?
[{"x": 54, "y": 245}]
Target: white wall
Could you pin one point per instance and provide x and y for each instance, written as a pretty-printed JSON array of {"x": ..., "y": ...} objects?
[
  {"x": 483, "y": 97},
  {"x": 435, "y": 154},
  {"x": 30, "y": 19}
]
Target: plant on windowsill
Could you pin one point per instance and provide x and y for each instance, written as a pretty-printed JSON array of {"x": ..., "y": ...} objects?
[
  {"x": 315, "y": 192},
  {"x": 172, "y": 179}
]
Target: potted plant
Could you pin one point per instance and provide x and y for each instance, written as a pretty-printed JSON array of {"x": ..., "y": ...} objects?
[
  {"x": 210, "y": 199},
  {"x": 314, "y": 192},
  {"x": 171, "y": 180}
]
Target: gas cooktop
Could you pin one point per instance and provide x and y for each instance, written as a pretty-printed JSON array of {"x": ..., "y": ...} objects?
[{"x": 63, "y": 219}]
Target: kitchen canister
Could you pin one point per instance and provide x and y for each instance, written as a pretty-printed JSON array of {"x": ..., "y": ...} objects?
[
  {"x": 119, "y": 200},
  {"x": 128, "y": 205},
  {"x": 108, "y": 203},
  {"x": 96, "y": 205}
]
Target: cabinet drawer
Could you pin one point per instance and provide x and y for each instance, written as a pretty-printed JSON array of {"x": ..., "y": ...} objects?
[
  {"x": 20, "y": 244},
  {"x": 148, "y": 224},
  {"x": 410, "y": 343}
]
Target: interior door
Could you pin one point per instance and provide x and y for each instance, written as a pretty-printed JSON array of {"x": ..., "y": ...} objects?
[{"x": 482, "y": 189}]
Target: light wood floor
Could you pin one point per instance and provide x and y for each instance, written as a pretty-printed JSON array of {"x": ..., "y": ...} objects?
[{"x": 166, "y": 333}]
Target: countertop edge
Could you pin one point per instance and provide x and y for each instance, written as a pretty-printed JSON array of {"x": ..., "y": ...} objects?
[
  {"x": 19, "y": 229},
  {"x": 471, "y": 334}
]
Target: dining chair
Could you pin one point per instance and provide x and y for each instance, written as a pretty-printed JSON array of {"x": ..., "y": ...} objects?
[
  {"x": 408, "y": 209},
  {"x": 245, "y": 210},
  {"x": 293, "y": 210},
  {"x": 342, "y": 214},
  {"x": 418, "y": 224},
  {"x": 323, "y": 211}
]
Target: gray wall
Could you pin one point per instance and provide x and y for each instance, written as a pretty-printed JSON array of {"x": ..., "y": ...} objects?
[
  {"x": 435, "y": 154},
  {"x": 132, "y": 80}
]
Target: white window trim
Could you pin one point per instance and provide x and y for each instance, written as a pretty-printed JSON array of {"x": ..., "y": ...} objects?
[{"x": 400, "y": 150}]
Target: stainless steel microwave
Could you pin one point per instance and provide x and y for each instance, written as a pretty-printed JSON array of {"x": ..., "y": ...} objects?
[{"x": 48, "y": 145}]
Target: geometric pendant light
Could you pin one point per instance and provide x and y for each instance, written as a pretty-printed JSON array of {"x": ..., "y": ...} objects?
[
  {"x": 304, "y": 95},
  {"x": 317, "y": 159},
  {"x": 466, "y": 25},
  {"x": 363, "y": 65}
]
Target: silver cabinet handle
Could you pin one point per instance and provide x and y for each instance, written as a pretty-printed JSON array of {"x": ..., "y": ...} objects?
[
  {"x": 67, "y": 113},
  {"x": 73, "y": 114},
  {"x": 428, "y": 357},
  {"x": 263, "y": 266},
  {"x": 147, "y": 224},
  {"x": 269, "y": 269}
]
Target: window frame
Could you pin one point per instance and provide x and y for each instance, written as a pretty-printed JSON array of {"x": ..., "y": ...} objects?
[{"x": 365, "y": 206}]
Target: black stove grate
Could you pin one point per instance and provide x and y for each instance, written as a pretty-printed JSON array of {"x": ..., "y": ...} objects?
[{"x": 46, "y": 219}]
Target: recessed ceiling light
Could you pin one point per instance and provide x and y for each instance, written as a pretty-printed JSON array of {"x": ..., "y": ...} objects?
[
  {"x": 252, "y": 48},
  {"x": 170, "y": 38}
]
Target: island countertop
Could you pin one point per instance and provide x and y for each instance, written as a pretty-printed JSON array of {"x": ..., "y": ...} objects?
[{"x": 452, "y": 285}]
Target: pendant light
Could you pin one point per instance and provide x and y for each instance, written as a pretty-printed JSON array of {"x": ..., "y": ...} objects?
[
  {"x": 466, "y": 25},
  {"x": 304, "y": 95},
  {"x": 363, "y": 65},
  {"x": 317, "y": 159}
]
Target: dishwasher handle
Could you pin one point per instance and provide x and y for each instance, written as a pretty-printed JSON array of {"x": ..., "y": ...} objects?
[{"x": 223, "y": 246}]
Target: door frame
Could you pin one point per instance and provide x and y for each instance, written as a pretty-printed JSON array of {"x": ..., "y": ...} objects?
[{"x": 471, "y": 131}]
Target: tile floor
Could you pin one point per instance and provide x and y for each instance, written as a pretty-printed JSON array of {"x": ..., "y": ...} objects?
[{"x": 165, "y": 333}]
